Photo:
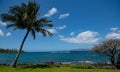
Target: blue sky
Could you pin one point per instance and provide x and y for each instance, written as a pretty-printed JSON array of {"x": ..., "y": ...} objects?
[{"x": 77, "y": 24}]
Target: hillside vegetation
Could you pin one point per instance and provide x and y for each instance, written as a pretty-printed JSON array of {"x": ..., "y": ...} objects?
[{"x": 8, "y": 50}]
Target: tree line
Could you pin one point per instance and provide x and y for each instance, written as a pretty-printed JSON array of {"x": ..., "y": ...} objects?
[{"x": 8, "y": 50}]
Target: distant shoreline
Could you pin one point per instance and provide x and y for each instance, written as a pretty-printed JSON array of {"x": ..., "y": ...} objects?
[
  {"x": 58, "y": 51},
  {"x": 74, "y": 62},
  {"x": 9, "y": 50}
]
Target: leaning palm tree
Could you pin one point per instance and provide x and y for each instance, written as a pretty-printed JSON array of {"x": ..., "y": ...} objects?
[{"x": 25, "y": 17}]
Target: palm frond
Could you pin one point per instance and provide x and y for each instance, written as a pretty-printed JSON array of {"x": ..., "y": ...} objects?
[
  {"x": 43, "y": 23},
  {"x": 33, "y": 33},
  {"x": 15, "y": 9},
  {"x": 7, "y": 17},
  {"x": 49, "y": 33},
  {"x": 44, "y": 32},
  {"x": 10, "y": 25},
  {"x": 45, "y": 20}
]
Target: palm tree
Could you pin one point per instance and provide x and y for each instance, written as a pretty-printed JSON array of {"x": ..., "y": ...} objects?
[{"x": 25, "y": 17}]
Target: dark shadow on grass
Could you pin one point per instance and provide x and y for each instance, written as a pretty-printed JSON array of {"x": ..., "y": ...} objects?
[
  {"x": 32, "y": 66},
  {"x": 36, "y": 66}
]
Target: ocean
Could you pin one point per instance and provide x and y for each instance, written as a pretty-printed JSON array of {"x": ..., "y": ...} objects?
[{"x": 41, "y": 57}]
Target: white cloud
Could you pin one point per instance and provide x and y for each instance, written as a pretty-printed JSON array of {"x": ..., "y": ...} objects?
[
  {"x": 114, "y": 29},
  {"x": 87, "y": 37},
  {"x": 1, "y": 33},
  {"x": 51, "y": 12},
  {"x": 60, "y": 36},
  {"x": 8, "y": 34},
  {"x": 62, "y": 16},
  {"x": 62, "y": 27},
  {"x": 52, "y": 30},
  {"x": 3, "y": 23},
  {"x": 115, "y": 34},
  {"x": 72, "y": 33}
]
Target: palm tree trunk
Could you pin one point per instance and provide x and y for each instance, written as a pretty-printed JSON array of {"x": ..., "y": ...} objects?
[{"x": 13, "y": 64}]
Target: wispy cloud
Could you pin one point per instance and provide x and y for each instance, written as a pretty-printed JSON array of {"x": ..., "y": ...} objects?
[
  {"x": 62, "y": 16},
  {"x": 62, "y": 27},
  {"x": 72, "y": 33},
  {"x": 60, "y": 36},
  {"x": 52, "y": 30},
  {"x": 8, "y": 34},
  {"x": 1, "y": 33},
  {"x": 114, "y": 29},
  {"x": 3, "y": 23},
  {"x": 51, "y": 12},
  {"x": 87, "y": 37},
  {"x": 114, "y": 34}
]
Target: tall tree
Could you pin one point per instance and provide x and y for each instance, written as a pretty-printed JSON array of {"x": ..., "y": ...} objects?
[
  {"x": 25, "y": 17},
  {"x": 110, "y": 48}
]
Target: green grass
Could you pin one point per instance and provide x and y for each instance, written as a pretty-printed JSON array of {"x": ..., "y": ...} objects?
[{"x": 53, "y": 69}]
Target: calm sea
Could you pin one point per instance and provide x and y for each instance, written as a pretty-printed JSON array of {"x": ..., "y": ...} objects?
[{"x": 40, "y": 57}]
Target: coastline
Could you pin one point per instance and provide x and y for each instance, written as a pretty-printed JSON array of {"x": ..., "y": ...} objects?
[{"x": 74, "y": 62}]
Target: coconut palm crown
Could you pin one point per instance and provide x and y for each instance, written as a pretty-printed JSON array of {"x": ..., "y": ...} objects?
[{"x": 25, "y": 17}]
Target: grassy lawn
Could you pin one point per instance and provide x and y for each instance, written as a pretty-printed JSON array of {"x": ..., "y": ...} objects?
[{"x": 54, "y": 69}]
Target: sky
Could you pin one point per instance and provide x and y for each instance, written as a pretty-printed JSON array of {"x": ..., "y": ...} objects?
[{"x": 78, "y": 24}]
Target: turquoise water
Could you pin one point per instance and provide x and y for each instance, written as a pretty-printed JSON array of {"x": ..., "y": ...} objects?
[{"x": 39, "y": 57}]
